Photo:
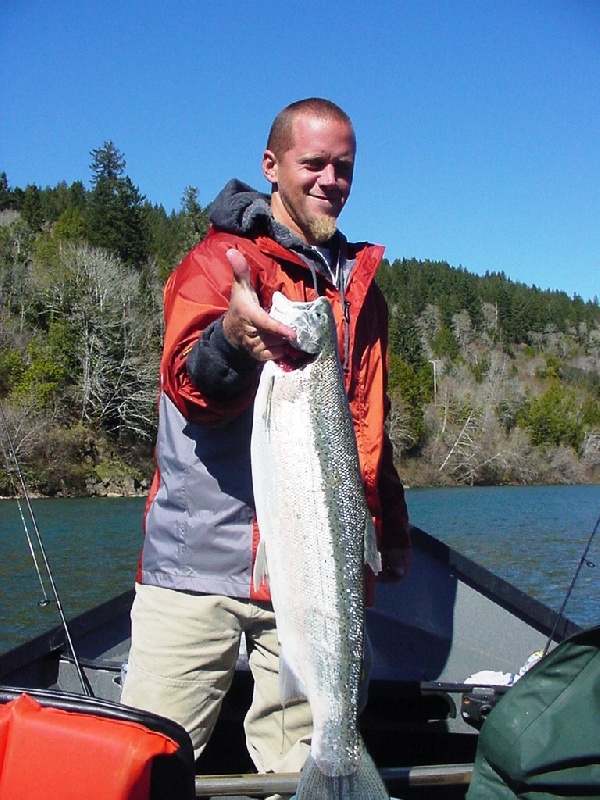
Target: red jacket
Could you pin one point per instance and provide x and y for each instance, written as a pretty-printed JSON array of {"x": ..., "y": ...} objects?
[{"x": 197, "y": 294}]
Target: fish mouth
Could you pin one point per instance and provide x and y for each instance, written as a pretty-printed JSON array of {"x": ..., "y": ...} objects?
[{"x": 294, "y": 358}]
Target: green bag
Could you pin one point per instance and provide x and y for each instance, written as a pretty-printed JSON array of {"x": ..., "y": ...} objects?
[{"x": 542, "y": 739}]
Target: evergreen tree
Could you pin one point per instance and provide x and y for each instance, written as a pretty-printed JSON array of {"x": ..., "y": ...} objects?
[
  {"x": 5, "y": 194},
  {"x": 553, "y": 418},
  {"x": 77, "y": 196},
  {"x": 115, "y": 215},
  {"x": 414, "y": 388},
  {"x": 193, "y": 219},
  {"x": 108, "y": 164},
  {"x": 445, "y": 345},
  {"x": 405, "y": 339},
  {"x": 32, "y": 207},
  {"x": 163, "y": 232}
]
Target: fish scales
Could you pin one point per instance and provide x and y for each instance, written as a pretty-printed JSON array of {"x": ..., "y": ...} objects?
[{"x": 316, "y": 533}]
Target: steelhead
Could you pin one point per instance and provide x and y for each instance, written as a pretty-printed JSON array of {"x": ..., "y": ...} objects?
[{"x": 316, "y": 536}]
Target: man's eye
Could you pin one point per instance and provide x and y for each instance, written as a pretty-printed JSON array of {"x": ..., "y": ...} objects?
[{"x": 344, "y": 168}]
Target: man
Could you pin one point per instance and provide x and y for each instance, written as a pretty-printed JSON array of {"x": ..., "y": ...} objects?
[{"x": 194, "y": 593}]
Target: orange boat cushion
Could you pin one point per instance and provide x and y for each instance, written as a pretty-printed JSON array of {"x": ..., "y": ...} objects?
[{"x": 53, "y": 754}]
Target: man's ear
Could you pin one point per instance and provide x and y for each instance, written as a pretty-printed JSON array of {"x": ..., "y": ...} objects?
[{"x": 270, "y": 166}]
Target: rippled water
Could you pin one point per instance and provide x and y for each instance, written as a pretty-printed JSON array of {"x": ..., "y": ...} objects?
[
  {"x": 92, "y": 546},
  {"x": 533, "y": 537}
]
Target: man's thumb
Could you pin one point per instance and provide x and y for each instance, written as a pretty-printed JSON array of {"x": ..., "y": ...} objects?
[{"x": 239, "y": 265}]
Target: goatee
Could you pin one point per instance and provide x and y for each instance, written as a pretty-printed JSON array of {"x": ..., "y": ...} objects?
[{"x": 322, "y": 228}]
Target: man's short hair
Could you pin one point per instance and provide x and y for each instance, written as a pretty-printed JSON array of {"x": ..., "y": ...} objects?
[{"x": 281, "y": 137}]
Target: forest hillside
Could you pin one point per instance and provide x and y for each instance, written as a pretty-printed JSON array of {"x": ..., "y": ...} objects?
[{"x": 491, "y": 381}]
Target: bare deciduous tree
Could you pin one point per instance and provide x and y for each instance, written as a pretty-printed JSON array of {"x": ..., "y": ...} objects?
[
  {"x": 118, "y": 339},
  {"x": 399, "y": 426}
]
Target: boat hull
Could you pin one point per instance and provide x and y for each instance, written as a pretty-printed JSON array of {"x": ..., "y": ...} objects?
[{"x": 449, "y": 620}]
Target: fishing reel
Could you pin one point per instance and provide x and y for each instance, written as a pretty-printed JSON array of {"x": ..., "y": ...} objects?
[{"x": 476, "y": 705}]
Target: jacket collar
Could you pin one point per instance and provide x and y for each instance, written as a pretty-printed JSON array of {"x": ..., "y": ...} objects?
[{"x": 243, "y": 211}]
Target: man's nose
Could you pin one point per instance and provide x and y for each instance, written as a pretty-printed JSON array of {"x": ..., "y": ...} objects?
[{"x": 327, "y": 176}]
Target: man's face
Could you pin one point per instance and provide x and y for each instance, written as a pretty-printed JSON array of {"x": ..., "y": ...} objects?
[{"x": 312, "y": 180}]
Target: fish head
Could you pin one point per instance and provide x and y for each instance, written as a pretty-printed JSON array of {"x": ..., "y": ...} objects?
[{"x": 313, "y": 323}]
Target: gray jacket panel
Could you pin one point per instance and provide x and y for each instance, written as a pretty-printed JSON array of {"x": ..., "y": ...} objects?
[{"x": 199, "y": 526}]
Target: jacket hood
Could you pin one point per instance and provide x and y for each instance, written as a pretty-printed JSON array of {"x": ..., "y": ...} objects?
[
  {"x": 238, "y": 208},
  {"x": 244, "y": 211}
]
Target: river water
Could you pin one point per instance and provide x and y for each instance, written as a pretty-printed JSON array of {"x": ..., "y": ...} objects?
[{"x": 533, "y": 537}]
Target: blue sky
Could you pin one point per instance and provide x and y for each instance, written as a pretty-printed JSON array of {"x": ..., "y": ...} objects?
[{"x": 478, "y": 121}]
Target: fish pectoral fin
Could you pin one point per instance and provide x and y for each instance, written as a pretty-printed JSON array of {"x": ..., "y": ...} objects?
[
  {"x": 372, "y": 554},
  {"x": 260, "y": 571},
  {"x": 290, "y": 686}
]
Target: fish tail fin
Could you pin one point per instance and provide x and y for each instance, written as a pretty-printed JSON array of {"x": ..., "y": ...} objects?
[{"x": 364, "y": 784}]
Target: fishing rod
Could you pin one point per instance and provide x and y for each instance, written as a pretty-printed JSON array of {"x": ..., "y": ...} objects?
[
  {"x": 46, "y": 601},
  {"x": 583, "y": 560},
  {"x": 12, "y": 463}
]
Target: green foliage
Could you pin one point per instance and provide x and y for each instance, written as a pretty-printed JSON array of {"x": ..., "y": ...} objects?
[
  {"x": 520, "y": 310},
  {"x": 193, "y": 220},
  {"x": 49, "y": 367},
  {"x": 5, "y": 194},
  {"x": 108, "y": 164},
  {"x": 419, "y": 283},
  {"x": 404, "y": 336},
  {"x": 61, "y": 341},
  {"x": 70, "y": 226},
  {"x": 115, "y": 220},
  {"x": 445, "y": 345},
  {"x": 12, "y": 369},
  {"x": 32, "y": 207},
  {"x": 415, "y": 387},
  {"x": 479, "y": 369},
  {"x": 553, "y": 418},
  {"x": 165, "y": 241},
  {"x": 590, "y": 414}
]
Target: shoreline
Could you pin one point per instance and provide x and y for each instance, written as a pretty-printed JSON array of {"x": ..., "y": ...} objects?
[{"x": 144, "y": 493}]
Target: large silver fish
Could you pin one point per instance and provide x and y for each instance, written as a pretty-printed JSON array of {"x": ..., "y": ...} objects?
[{"x": 316, "y": 535}]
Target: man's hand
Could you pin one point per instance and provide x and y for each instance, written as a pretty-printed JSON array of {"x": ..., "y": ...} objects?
[
  {"x": 395, "y": 564},
  {"x": 245, "y": 323}
]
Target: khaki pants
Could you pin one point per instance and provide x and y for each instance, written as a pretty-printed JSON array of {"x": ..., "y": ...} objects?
[{"x": 181, "y": 664}]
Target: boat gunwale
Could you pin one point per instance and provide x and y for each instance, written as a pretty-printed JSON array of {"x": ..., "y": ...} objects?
[
  {"x": 51, "y": 643},
  {"x": 527, "y": 608}
]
